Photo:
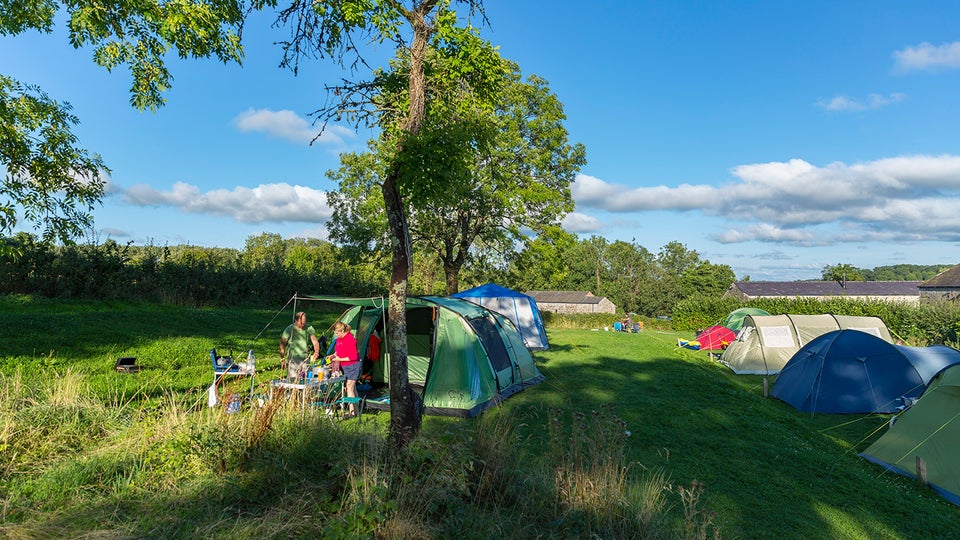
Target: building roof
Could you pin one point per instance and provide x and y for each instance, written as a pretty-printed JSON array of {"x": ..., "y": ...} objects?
[
  {"x": 565, "y": 297},
  {"x": 948, "y": 278},
  {"x": 828, "y": 288}
]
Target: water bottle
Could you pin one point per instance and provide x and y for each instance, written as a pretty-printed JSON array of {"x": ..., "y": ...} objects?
[{"x": 251, "y": 361}]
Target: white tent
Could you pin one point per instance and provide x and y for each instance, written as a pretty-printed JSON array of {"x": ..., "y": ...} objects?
[
  {"x": 766, "y": 343},
  {"x": 518, "y": 307}
]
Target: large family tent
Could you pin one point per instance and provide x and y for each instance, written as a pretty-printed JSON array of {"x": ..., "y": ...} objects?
[
  {"x": 518, "y": 307},
  {"x": 928, "y": 430},
  {"x": 462, "y": 358},
  {"x": 734, "y": 320},
  {"x": 766, "y": 342},
  {"x": 849, "y": 371}
]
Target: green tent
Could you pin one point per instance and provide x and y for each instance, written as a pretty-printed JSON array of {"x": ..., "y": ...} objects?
[
  {"x": 461, "y": 357},
  {"x": 929, "y": 430},
  {"x": 734, "y": 320}
]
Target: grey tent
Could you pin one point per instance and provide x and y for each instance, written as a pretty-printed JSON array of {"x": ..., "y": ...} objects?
[{"x": 765, "y": 343}]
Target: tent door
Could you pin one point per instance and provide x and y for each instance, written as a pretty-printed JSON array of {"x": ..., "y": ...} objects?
[{"x": 486, "y": 330}]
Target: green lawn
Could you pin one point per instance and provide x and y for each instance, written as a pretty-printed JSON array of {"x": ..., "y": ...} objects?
[
  {"x": 142, "y": 456},
  {"x": 768, "y": 470}
]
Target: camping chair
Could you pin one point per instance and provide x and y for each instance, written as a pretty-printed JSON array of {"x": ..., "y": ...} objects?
[
  {"x": 225, "y": 366},
  {"x": 342, "y": 406}
]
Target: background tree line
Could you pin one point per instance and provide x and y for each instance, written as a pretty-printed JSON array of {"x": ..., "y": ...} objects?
[
  {"x": 269, "y": 269},
  {"x": 896, "y": 272}
]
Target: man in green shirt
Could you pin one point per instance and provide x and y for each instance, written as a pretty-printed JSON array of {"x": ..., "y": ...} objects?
[{"x": 295, "y": 346}]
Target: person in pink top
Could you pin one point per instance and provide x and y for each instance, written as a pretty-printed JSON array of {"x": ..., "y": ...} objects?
[{"x": 345, "y": 352}]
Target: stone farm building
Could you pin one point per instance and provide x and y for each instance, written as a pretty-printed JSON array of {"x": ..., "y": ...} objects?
[
  {"x": 572, "y": 302},
  {"x": 890, "y": 291},
  {"x": 943, "y": 286}
]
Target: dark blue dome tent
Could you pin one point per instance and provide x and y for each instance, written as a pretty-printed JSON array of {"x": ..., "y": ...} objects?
[{"x": 849, "y": 371}]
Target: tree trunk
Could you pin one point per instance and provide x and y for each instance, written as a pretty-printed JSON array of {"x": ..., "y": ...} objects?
[
  {"x": 404, "y": 405},
  {"x": 452, "y": 275}
]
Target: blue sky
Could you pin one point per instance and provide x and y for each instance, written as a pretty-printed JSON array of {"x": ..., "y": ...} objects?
[{"x": 775, "y": 137}]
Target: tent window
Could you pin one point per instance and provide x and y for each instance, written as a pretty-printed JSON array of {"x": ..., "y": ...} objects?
[{"x": 487, "y": 332}]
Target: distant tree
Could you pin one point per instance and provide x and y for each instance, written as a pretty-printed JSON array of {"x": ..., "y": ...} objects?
[
  {"x": 842, "y": 272},
  {"x": 673, "y": 261},
  {"x": 904, "y": 272},
  {"x": 310, "y": 256},
  {"x": 707, "y": 279},
  {"x": 544, "y": 263},
  {"x": 265, "y": 250},
  {"x": 631, "y": 269}
]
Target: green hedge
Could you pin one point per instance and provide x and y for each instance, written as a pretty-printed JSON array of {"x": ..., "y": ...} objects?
[
  {"x": 923, "y": 324},
  {"x": 587, "y": 321}
]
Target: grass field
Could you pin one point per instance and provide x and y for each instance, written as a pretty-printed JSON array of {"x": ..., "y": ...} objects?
[{"x": 628, "y": 437}]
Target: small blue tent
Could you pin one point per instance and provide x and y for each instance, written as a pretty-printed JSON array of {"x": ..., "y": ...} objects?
[
  {"x": 519, "y": 308},
  {"x": 849, "y": 371}
]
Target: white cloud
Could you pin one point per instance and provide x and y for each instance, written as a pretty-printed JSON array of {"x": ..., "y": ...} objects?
[
  {"x": 289, "y": 126},
  {"x": 267, "y": 202},
  {"x": 928, "y": 57},
  {"x": 576, "y": 222},
  {"x": 872, "y": 102},
  {"x": 765, "y": 232},
  {"x": 591, "y": 191},
  {"x": 906, "y": 197}
]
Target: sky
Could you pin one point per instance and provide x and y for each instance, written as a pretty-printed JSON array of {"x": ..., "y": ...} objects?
[{"x": 773, "y": 137}]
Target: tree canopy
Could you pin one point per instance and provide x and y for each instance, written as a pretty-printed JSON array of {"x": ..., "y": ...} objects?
[
  {"x": 48, "y": 176},
  {"x": 512, "y": 174},
  {"x": 842, "y": 272}
]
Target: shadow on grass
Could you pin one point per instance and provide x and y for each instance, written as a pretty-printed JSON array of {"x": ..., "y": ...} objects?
[
  {"x": 289, "y": 487},
  {"x": 769, "y": 471}
]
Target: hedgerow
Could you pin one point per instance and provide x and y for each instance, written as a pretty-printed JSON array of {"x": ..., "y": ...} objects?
[{"x": 925, "y": 323}]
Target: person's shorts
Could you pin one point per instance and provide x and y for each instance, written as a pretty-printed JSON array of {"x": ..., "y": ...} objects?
[{"x": 351, "y": 372}]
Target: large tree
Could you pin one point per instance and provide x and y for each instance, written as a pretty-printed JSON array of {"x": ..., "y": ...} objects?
[
  {"x": 48, "y": 176},
  {"x": 340, "y": 30},
  {"x": 514, "y": 178}
]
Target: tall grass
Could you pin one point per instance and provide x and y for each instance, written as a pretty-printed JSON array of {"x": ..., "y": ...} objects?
[
  {"x": 274, "y": 470},
  {"x": 628, "y": 437}
]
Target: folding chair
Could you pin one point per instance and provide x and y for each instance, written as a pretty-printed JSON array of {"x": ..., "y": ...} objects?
[{"x": 342, "y": 406}]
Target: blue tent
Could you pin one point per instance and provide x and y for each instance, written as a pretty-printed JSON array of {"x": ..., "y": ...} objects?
[
  {"x": 519, "y": 308},
  {"x": 849, "y": 371}
]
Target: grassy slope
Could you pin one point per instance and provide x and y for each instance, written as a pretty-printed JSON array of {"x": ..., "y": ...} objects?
[{"x": 768, "y": 471}]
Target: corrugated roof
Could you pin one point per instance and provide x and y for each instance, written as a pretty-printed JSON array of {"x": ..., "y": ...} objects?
[
  {"x": 829, "y": 288},
  {"x": 564, "y": 297},
  {"x": 948, "y": 278}
]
